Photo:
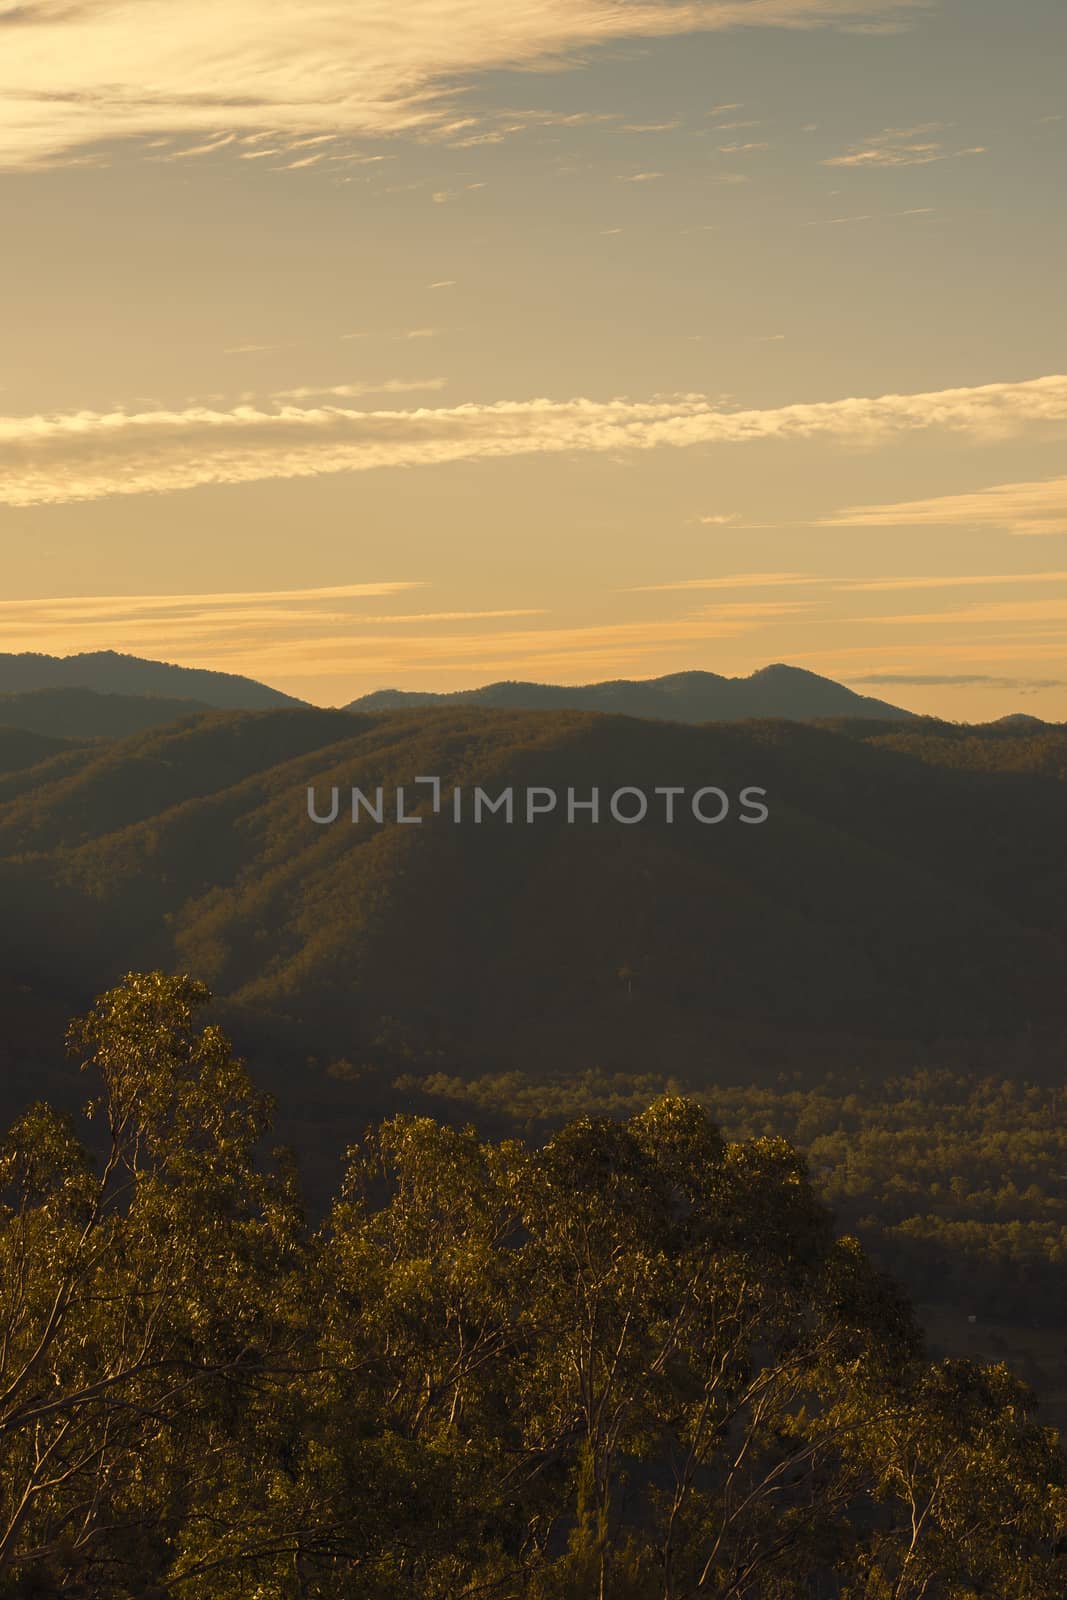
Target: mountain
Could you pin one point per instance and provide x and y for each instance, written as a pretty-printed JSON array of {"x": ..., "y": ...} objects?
[
  {"x": 906, "y": 898},
  {"x": 107, "y": 672},
  {"x": 776, "y": 691},
  {"x": 88, "y": 714}
]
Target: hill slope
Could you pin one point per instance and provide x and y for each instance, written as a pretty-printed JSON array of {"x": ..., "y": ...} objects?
[
  {"x": 895, "y": 894},
  {"x": 21, "y": 748},
  {"x": 107, "y": 672},
  {"x": 88, "y": 714},
  {"x": 777, "y": 691}
]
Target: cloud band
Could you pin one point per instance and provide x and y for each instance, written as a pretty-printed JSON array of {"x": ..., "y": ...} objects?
[{"x": 89, "y": 455}]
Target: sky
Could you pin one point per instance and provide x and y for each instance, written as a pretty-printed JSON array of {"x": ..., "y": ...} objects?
[{"x": 350, "y": 346}]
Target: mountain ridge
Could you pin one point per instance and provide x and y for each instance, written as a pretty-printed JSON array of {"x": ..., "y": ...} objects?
[
  {"x": 776, "y": 690},
  {"x": 111, "y": 672}
]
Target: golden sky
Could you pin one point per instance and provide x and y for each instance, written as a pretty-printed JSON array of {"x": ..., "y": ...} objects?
[{"x": 351, "y": 345}]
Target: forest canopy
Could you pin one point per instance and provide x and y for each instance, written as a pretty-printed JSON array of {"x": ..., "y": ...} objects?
[{"x": 635, "y": 1362}]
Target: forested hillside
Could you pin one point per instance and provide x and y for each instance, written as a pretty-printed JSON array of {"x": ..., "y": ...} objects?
[
  {"x": 88, "y": 714},
  {"x": 906, "y": 890}
]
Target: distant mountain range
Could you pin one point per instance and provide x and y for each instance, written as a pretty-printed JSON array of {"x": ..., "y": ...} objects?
[
  {"x": 775, "y": 691},
  {"x": 107, "y": 695},
  {"x": 107, "y": 672}
]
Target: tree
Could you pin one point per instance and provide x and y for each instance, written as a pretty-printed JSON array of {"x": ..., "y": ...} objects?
[
  {"x": 634, "y": 1364},
  {"x": 136, "y": 1296}
]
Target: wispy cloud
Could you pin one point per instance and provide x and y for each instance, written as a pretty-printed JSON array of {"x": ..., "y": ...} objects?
[
  {"x": 1036, "y": 507},
  {"x": 1048, "y": 610},
  {"x": 734, "y": 580},
  {"x": 902, "y": 147},
  {"x": 390, "y": 334},
  {"x": 952, "y": 581},
  {"x": 441, "y": 197},
  {"x": 86, "y": 455},
  {"x": 352, "y": 391},
  {"x": 81, "y": 72},
  {"x": 869, "y": 216},
  {"x": 281, "y": 621},
  {"x": 75, "y": 609},
  {"x": 961, "y": 680},
  {"x": 760, "y": 580}
]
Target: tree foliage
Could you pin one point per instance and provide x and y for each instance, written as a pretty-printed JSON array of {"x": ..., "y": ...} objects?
[{"x": 634, "y": 1363}]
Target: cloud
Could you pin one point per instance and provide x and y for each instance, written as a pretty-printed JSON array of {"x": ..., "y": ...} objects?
[
  {"x": 206, "y": 149},
  {"x": 736, "y": 580},
  {"x": 392, "y": 333},
  {"x": 352, "y": 391},
  {"x": 81, "y": 72},
  {"x": 995, "y": 580},
  {"x": 993, "y": 611},
  {"x": 961, "y": 680},
  {"x": 901, "y": 147},
  {"x": 78, "y": 608},
  {"x": 284, "y": 620},
  {"x": 754, "y": 580},
  {"x": 870, "y": 216},
  {"x": 1023, "y": 508},
  {"x": 52, "y": 459},
  {"x": 640, "y": 177}
]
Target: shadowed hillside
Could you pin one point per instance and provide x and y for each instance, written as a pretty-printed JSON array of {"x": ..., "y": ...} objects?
[
  {"x": 21, "y": 748},
  {"x": 88, "y": 714},
  {"x": 901, "y": 890}
]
